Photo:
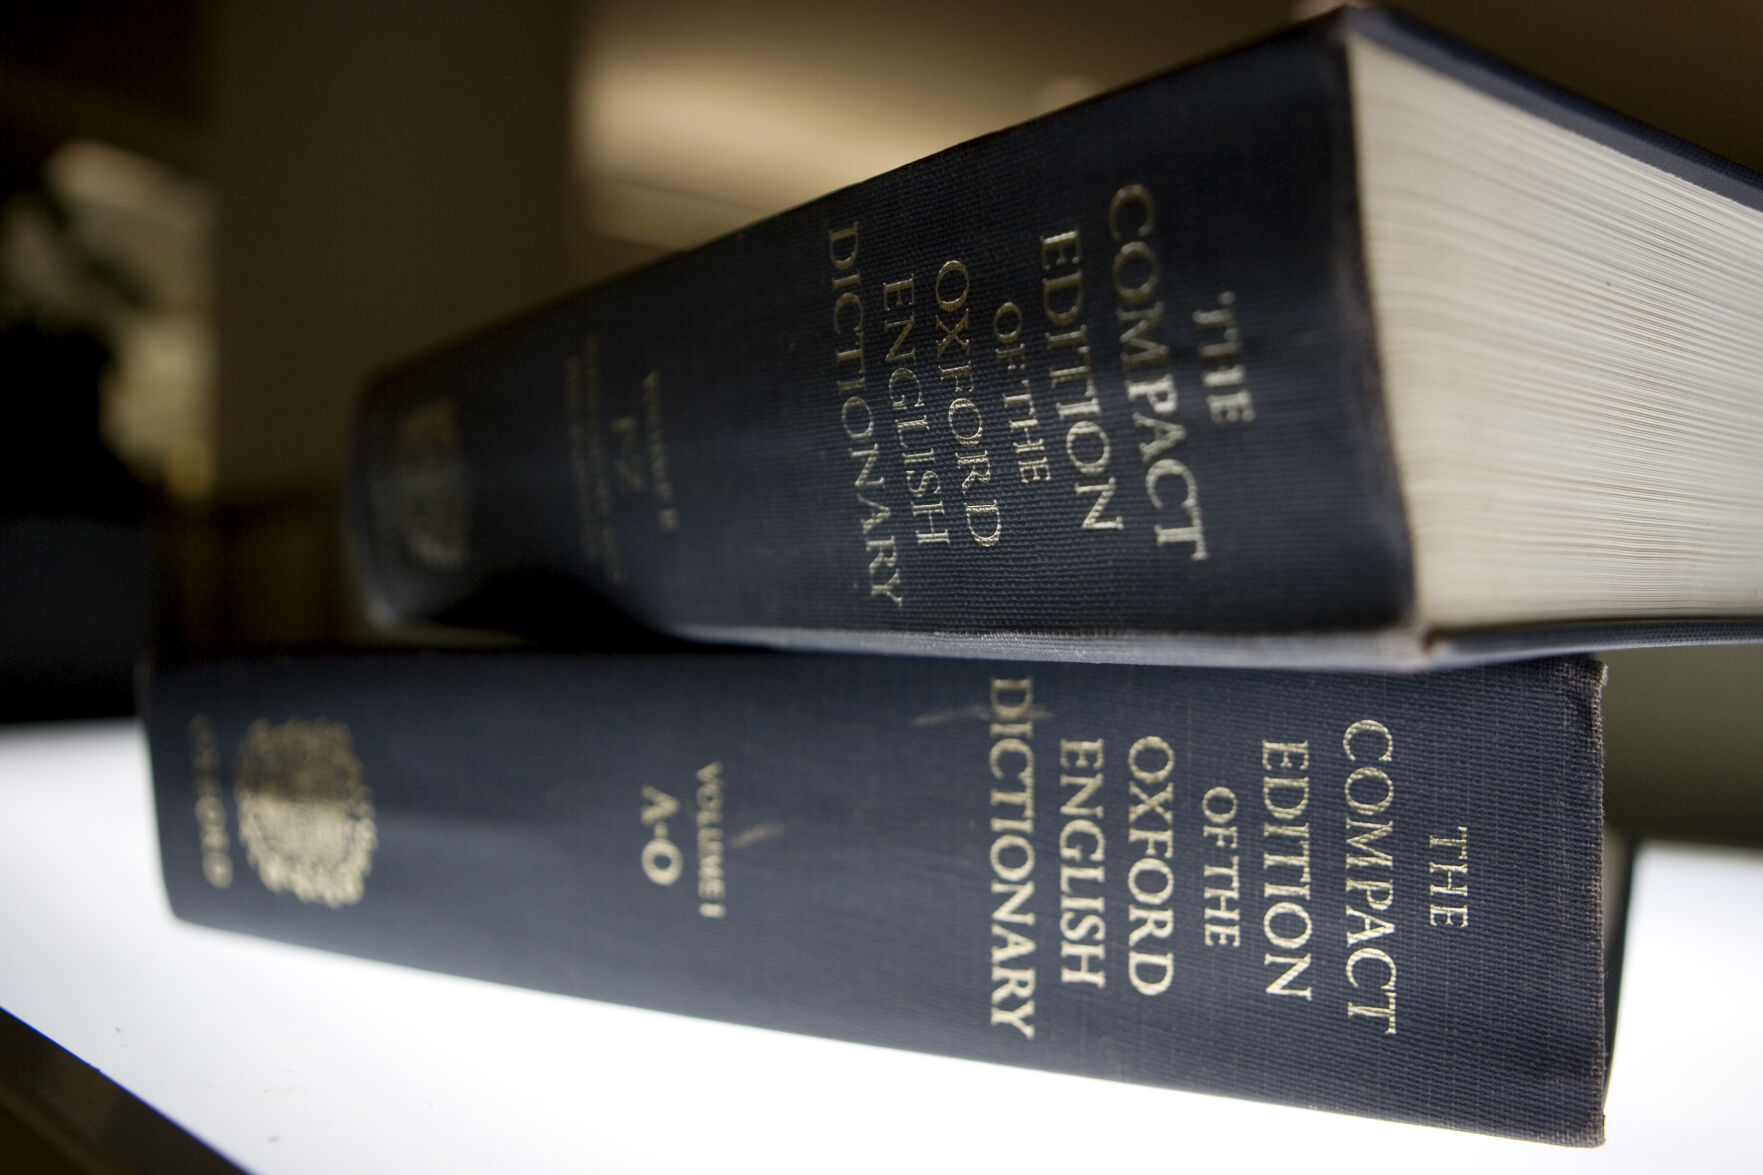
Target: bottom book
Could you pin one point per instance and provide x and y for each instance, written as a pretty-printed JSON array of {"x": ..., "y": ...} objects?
[{"x": 1375, "y": 895}]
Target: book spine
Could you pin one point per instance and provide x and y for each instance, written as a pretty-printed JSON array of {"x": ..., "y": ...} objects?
[
  {"x": 1107, "y": 373},
  {"x": 1376, "y": 895}
]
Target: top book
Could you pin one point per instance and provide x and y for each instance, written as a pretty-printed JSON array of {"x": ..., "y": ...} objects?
[{"x": 1350, "y": 348}]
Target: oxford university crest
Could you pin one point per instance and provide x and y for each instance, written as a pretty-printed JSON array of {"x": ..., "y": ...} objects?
[{"x": 306, "y": 816}]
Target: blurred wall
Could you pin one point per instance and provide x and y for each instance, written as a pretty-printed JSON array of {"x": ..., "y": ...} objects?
[
  {"x": 390, "y": 174},
  {"x": 1678, "y": 737},
  {"x": 693, "y": 117}
]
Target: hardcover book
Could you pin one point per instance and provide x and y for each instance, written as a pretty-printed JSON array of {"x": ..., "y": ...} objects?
[
  {"x": 1351, "y": 348},
  {"x": 1376, "y": 895}
]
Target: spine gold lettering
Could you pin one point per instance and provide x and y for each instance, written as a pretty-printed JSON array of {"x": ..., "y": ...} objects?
[
  {"x": 1370, "y": 794},
  {"x": 1221, "y": 879},
  {"x": 1011, "y": 761},
  {"x": 1083, "y": 924},
  {"x": 211, "y": 818},
  {"x": 881, "y": 553},
  {"x": 1150, "y": 882},
  {"x": 1285, "y": 864}
]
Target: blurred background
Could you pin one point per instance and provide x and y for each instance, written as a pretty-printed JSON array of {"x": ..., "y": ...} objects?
[{"x": 217, "y": 219}]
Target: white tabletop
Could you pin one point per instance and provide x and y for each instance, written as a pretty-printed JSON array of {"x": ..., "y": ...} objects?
[{"x": 289, "y": 1060}]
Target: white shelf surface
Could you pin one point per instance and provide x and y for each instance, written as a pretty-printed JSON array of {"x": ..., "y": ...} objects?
[{"x": 288, "y": 1060}]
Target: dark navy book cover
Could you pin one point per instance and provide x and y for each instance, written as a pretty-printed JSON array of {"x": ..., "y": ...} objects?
[
  {"x": 1110, "y": 373},
  {"x": 1106, "y": 386},
  {"x": 1376, "y": 895}
]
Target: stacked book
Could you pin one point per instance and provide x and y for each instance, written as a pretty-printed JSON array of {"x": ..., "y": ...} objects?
[{"x": 1185, "y": 515}]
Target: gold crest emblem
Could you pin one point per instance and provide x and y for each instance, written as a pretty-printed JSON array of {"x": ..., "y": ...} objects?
[
  {"x": 305, "y": 816},
  {"x": 429, "y": 490}
]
